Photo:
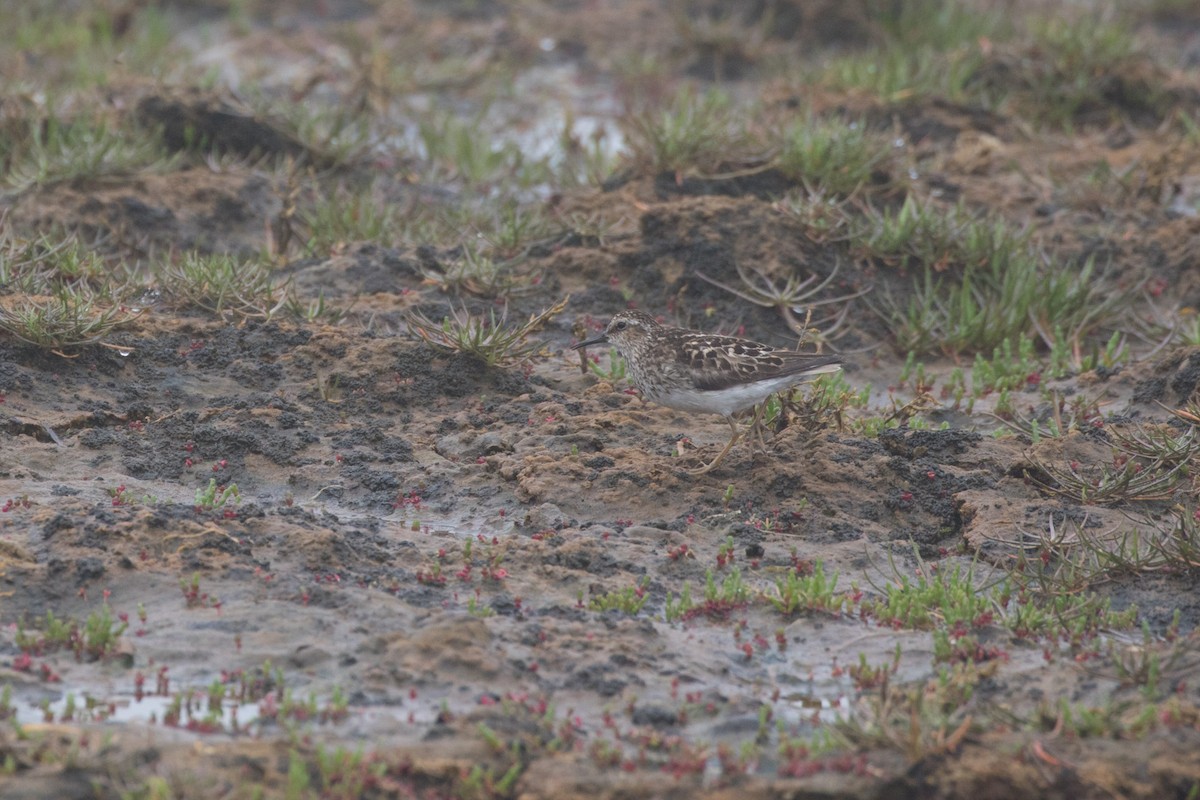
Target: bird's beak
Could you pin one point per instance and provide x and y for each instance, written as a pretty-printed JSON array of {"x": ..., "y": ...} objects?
[{"x": 601, "y": 339}]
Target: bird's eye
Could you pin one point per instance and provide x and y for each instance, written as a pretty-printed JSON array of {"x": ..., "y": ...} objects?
[{"x": 622, "y": 325}]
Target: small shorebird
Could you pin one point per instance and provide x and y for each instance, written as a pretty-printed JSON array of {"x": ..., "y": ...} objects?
[{"x": 694, "y": 371}]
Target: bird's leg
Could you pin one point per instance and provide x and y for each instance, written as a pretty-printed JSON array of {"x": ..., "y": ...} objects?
[
  {"x": 758, "y": 426},
  {"x": 723, "y": 453}
]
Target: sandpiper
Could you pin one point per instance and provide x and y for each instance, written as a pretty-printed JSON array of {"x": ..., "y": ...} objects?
[{"x": 695, "y": 371}]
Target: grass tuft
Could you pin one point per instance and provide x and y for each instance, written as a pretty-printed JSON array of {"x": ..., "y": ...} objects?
[
  {"x": 693, "y": 133},
  {"x": 1148, "y": 463},
  {"x": 1083, "y": 66},
  {"x": 52, "y": 150},
  {"x": 62, "y": 321},
  {"x": 981, "y": 283},
  {"x": 830, "y": 155},
  {"x": 221, "y": 283},
  {"x": 491, "y": 340}
]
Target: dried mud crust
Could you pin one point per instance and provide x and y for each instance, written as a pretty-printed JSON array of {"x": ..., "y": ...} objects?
[
  {"x": 325, "y": 429},
  {"x": 197, "y": 209}
]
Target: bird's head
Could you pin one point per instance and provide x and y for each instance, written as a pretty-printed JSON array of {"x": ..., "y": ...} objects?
[{"x": 624, "y": 331}]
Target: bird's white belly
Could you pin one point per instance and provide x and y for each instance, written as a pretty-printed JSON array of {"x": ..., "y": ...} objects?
[{"x": 725, "y": 401}]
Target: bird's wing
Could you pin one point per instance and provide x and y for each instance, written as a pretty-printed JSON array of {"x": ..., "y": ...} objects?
[{"x": 718, "y": 362}]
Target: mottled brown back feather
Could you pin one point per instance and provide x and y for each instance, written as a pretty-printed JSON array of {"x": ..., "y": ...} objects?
[{"x": 720, "y": 362}]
